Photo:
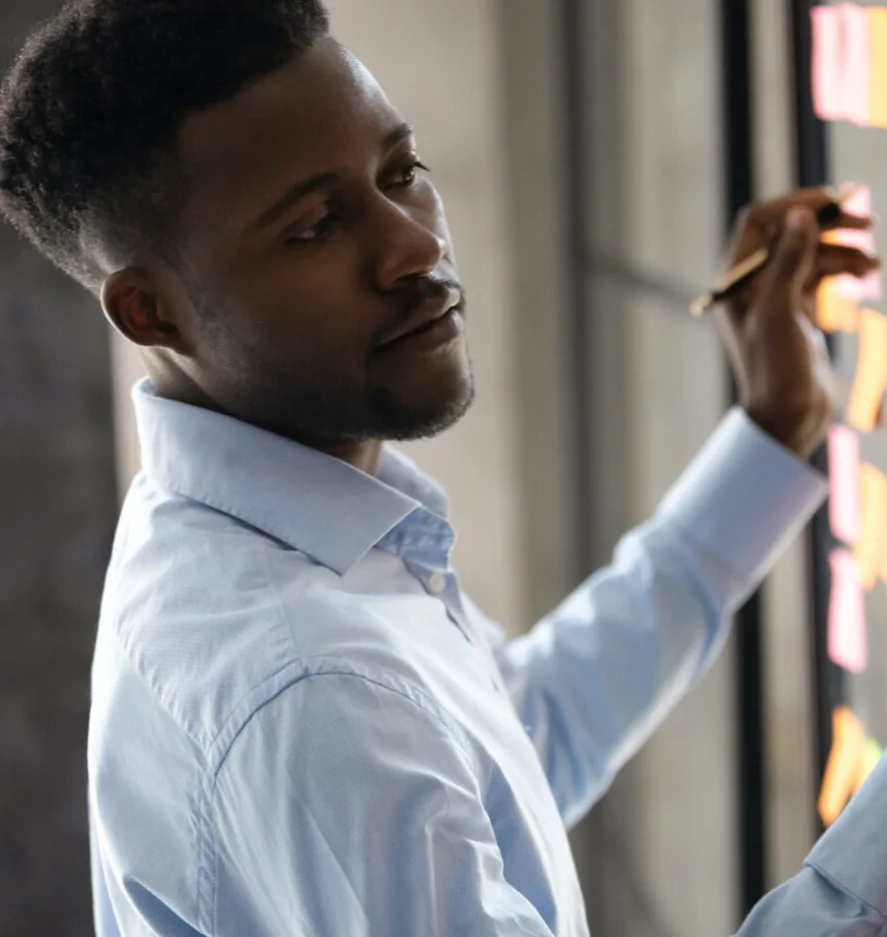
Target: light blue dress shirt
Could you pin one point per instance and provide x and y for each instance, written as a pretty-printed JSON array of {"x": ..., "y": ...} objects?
[{"x": 302, "y": 727}]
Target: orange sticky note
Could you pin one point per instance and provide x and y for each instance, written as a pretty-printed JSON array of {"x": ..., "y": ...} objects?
[
  {"x": 842, "y": 770},
  {"x": 843, "y": 470},
  {"x": 878, "y": 65},
  {"x": 870, "y": 381},
  {"x": 828, "y": 62},
  {"x": 857, "y": 70},
  {"x": 872, "y": 545},
  {"x": 835, "y": 311},
  {"x": 847, "y": 639}
]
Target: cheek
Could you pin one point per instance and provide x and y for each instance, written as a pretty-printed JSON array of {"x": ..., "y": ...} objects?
[{"x": 312, "y": 315}]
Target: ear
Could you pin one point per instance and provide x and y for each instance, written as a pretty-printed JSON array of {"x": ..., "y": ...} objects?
[{"x": 142, "y": 311}]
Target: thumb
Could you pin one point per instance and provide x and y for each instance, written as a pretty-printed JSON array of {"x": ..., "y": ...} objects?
[{"x": 795, "y": 257}]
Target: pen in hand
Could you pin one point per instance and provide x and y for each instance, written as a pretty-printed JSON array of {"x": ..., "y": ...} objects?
[{"x": 739, "y": 277}]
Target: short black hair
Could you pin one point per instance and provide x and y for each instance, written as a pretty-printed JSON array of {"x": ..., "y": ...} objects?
[{"x": 91, "y": 110}]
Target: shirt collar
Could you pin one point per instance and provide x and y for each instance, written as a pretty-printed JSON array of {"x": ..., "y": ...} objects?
[{"x": 314, "y": 502}]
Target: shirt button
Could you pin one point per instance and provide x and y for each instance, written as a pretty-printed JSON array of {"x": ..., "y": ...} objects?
[{"x": 437, "y": 583}]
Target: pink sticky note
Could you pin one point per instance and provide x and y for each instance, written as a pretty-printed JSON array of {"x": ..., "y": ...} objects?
[
  {"x": 828, "y": 62},
  {"x": 857, "y": 64},
  {"x": 844, "y": 502},
  {"x": 847, "y": 639},
  {"x": 869, "y": 288},
  {"x": 859, "y": 203}
]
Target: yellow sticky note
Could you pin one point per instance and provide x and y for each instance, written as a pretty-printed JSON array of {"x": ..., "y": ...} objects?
[
  {"x": 878, "y": 66},
  {"x": 835, "y": 311},
  {"x": 871, "y": 371},
  {"x": 871, "y": 755},
  {"x": 844, "y": 763},
  {"x": 872, "y": 544}
]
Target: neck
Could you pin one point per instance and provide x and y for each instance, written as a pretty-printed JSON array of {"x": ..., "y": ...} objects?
[
  {"x": 366, "y": 456},
  {"x": 174, "y": 385}
]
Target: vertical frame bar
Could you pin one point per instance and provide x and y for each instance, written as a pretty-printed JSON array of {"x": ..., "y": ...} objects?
[
  {"x": 576, "y": 161},
  {"x": 812, "y": 168},
  {"x": 738, "y": 129}
]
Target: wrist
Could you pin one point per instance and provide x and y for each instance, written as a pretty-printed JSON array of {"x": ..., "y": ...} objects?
[{"x": 801, "y": 432}]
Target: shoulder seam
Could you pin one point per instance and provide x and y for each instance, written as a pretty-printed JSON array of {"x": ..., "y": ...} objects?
[
  {"x": 208, "y": 863},
  {"x": 338, "y": 668}
]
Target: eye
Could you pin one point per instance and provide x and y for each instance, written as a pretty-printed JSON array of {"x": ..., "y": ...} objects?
[
  {"x": 314, "y": 233},
  {"x": 407, "y": 176}
]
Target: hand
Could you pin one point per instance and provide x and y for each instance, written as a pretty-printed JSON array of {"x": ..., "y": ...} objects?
[{"x": 779, "y": 356}]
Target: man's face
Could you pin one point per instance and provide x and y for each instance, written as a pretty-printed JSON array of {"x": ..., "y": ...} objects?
[{"x": 317, "y": 243}]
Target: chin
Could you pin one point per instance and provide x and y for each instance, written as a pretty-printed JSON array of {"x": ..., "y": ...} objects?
[{"x": 424, "y": 412}]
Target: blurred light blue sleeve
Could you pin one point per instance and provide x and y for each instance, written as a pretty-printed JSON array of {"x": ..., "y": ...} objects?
[
  {"x": 346, "y": 806},
  {"x": 842, "y": 890},
  {"x": 594, "y": 679}
]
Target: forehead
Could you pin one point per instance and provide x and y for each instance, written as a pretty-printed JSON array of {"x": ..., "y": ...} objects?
[{"x": 314, "y": 115}]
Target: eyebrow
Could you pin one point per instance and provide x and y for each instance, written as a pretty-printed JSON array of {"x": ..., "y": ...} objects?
[{"x": 300, "y": 190}]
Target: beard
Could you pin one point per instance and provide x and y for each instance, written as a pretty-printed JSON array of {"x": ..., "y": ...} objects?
[
  {"x": 397, "y": 421},
  {"x": 316, "y": 403},
  {"x": 324, "y": 414}
]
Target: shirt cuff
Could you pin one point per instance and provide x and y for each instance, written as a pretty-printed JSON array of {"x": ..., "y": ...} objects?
[
  {"x": 853, "y": 852},
  {"x": 744, "y": 497}
]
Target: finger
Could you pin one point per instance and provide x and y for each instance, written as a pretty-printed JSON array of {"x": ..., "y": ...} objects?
[
  {"x": 763, "y": 215},
  {"x": 760, "y": 224},
  {"x": 783, "y": 281},
  {"x": 830, "y": 229},
  {"x": 846, "y": 220},
  {"x": 832, "y": 260}
]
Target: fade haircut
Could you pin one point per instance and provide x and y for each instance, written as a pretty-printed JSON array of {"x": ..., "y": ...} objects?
[{"x": 91, "y": 109}]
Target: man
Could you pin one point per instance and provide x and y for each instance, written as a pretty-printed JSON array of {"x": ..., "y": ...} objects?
[{"x": 300, "y": 725}]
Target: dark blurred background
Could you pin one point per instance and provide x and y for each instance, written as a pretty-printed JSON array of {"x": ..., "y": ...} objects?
[{"x": 58, "y": 507}]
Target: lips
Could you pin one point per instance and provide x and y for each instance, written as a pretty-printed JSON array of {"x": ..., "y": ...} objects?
[{"x": 423, "y": 317}]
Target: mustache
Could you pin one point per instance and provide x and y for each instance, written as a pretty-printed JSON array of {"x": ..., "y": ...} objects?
[{"x": 420, "y": 290}]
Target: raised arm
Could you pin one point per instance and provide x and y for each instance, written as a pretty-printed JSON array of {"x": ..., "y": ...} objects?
[{"x": 593, "y": 680}]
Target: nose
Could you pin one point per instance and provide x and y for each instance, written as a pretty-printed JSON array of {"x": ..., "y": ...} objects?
[{"x": 404, "y": 245}]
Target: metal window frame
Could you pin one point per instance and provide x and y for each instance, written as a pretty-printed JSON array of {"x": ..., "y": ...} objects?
[{"x": 812, "y": 168}]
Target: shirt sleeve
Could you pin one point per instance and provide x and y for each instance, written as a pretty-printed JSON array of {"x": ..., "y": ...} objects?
[
  {"x": 349, "y": 807},
  {"x": 842, "y": 890},
  {"x": 593, "y": 679}
]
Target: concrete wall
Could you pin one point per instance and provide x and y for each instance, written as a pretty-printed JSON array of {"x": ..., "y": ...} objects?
[{"x": 663, "y": 845}]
